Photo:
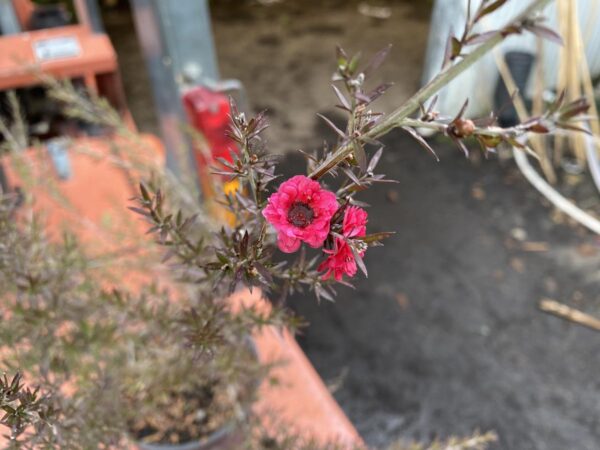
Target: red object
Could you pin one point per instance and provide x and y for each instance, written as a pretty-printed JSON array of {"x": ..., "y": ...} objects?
[{"x": 209, "y": 113}]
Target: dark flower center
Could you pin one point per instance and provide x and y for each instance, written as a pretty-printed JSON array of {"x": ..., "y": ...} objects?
[{"x": 300, "y": 215}]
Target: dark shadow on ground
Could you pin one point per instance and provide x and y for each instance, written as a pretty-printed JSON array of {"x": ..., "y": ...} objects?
[{"x": 445, "y": 337}]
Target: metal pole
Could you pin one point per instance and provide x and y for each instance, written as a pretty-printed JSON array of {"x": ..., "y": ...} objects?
[
  {"x": 88, "y": 14},
  {"x": 188, "y": 36},
  {"x": 9, "y": 23},
  {"x": 167, "y": 98}
]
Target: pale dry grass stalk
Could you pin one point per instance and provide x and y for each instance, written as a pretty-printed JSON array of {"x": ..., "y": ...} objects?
[
  {"x": 574, "y": 77},
  {"x": 476, "y": 441},
  {"x": 568, "y": 313},
  {"x": 538, "y": 142}
]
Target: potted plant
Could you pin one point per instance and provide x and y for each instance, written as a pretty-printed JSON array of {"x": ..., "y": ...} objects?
[{"x": 164, "y": 372}]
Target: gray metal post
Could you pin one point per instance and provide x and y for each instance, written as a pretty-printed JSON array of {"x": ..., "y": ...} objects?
[
  {"x": 188, "y": 35},
  {"x": 167, "y": 98},
  {"x": 9, "y": 24},
  {"x": 88, "y": 13}
]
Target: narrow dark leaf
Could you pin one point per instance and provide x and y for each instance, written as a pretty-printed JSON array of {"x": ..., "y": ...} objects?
[
  {"x": 520, "y": 146},
  {"x": 359, "y": 261},
  {"x": 320, "y": 291},
  {"x": 480, "y": 38},
  {"x": 574, "y": 108},
  {"x": 447, "y": 50},
  {"x": 462, "y": 146},
  {"x": 239, "y": 274},
  {"x": 358, "y": 188},
  {"x": 467, "y": 21},
  {"x": 144, "y": 191},
  {"x": 168, "y": 255},
  {"x": 163, "y": 235},
  {"x": 462, "y": 110},
  {"x": 153, "y": 229},
  {"x": 456, "y": 47},
  {"x": 537, "y": 128},
  {"x": 343, "y": 108},
  {"x": 489, "y": 9},
  {"x": 379, "y": 91},
  {"x": 561, "y": 98},
  {"x": 359, "y": 203},
  {"x": 262, "y": 270},
  {"x": 353, "y": 64},
  {"x": 371, "y": 141},
  {"x": 361, "y": 97},
  {"x": 140, "y": 211},
  {"x": 382, "y": 179},
  {"x": 568, "y": 126},
  {"x": 244, "y": 244},
  {"x": 332, "y": 126},
  {"x": 188, "y": 222},
  {"x": 310, "y": 157},
  {"x": 231, "y": 175},
  {"x": 377, "y": 59},
  {"x": 377, "y": 237},
  {"x": 361, "y": 156},
  {"x": 421, "y": 141},
  {"x": 545, "y": 33},
  {"x": 225, "y": 163},
  {"x": 343, "y": 100},
  {"x": 374, "y": 160},
  {"x": 352, "y": 176}
]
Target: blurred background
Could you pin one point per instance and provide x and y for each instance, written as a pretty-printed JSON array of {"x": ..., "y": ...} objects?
[{"x": 446, "y": 335}]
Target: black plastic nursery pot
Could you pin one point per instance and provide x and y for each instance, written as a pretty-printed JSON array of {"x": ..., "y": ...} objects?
[{"x": 228, "y": 437}]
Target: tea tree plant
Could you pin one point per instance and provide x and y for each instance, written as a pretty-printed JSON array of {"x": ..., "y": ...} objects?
[{"x": 114, "y": 364}]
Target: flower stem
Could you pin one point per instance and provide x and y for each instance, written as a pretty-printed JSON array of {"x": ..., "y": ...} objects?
[{"x": 442, "y": 127}]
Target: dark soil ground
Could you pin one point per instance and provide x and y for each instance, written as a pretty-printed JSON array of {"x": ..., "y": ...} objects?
[{"x": 445, "y": 336}]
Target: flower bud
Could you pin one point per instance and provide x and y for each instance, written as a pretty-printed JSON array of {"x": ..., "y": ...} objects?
[{"x": 461, "y": 128}]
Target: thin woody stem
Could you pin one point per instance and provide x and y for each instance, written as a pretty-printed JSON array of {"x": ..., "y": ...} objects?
[
  {"x": 396, "y": 118},
  {"x": 442, "y": 127}
]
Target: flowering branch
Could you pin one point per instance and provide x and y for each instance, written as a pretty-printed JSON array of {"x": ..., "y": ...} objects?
[
  {"x": 304, "y": 211},
  {"x": 559, "y": 116},
  {"x": 396, "y": 119}
]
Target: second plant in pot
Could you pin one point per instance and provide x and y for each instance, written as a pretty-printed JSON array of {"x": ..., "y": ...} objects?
[{"x": 162, "y": 369}]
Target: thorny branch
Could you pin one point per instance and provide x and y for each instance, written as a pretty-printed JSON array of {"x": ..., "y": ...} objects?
[{"x": 383, "y": 125}]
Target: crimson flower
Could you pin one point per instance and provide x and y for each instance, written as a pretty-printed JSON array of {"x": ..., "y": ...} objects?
[
  {"x": 341, "y": 260},
  {"x": 355, "y": 222},
  {"x": 300, "y": 211}
]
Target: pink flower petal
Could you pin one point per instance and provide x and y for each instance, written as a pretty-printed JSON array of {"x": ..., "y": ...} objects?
[
  {"x": 287, "y": 244},
  {"x": 301, "y": 189}
]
